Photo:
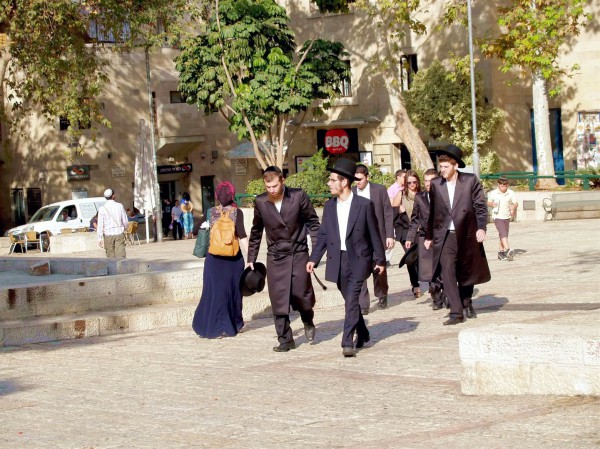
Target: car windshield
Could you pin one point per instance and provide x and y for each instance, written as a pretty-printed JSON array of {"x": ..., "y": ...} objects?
[{"x": 44, "y": 214}]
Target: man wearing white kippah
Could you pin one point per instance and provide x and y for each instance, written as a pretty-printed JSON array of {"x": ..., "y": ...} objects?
[{"x": 112, "y": 222}]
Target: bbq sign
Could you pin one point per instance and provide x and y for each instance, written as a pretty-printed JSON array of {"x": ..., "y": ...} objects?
[
  {"x": 78, "y": 172},
  {"x": 337, "y": 141}
]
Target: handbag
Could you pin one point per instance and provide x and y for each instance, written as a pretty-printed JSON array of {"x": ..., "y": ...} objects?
[{"x": 202, "y": 240}]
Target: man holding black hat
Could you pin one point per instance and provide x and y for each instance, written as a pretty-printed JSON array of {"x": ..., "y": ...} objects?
[
  {"x": 350, "y": 235},
  {"x": 287, "y": 216},
  {"x": 112, "y": 222},
  {"x": 456, "y": 230}
]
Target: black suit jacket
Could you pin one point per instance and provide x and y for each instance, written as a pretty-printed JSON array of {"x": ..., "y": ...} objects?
[
  {"x": 362, "y": 245},
  {"x": 383, "y": 210}
]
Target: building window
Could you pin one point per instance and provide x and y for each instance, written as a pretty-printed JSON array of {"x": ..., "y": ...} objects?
[
  {"x": 408, "y": 69},
  {"x": 34, "y": 200},
  {"x": 97, "y": 33},
  {"x": 64, "y": 123},
  {"x": 346, "y": 85},
  {"x": 176, "y": 96}
]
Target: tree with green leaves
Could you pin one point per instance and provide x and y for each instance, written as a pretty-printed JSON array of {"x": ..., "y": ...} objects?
[
  {"x": 52, "y": 59},
  {"x": 533, "y": 34},
  {"x": 439, "y": 102},
  {"x": 244, "y": 65}
]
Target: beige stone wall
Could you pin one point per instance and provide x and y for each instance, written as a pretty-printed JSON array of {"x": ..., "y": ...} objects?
[{"x": 187, "y": 136}]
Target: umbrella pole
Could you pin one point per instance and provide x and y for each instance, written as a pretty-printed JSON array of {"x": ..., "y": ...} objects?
[{"x": 147, "y": 227}]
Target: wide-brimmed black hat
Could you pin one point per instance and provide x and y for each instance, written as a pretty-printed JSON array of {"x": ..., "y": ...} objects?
[
  {"x": 411, "y": 256},
  {"x": 253, "y": 281},
  {"x": 455, "y": 153},
  {"x": 346, "y": 168}
]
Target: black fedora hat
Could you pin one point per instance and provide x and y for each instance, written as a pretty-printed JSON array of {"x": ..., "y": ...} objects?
[
  {"x": 411, "y": 256},
  {"x": 345, "y": 167},
  {"x": 455, "y": 153},
  {"x": 253, "y": 281}
]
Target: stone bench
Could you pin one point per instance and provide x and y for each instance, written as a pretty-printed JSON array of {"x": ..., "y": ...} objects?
[
  {"x": 578, "y": 204},
  {"x": 73, "y": 242},
  {"x": 511, "y": 359}
]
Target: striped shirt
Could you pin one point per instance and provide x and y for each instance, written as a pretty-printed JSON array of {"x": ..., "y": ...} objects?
[{"x": 112, "y": 219}]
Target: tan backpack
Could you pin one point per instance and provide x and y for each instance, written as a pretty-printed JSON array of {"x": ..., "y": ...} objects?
[{"x": 223, "y": 241}]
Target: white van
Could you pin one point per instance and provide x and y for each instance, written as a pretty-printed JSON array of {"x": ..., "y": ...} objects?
[{"x": 53, "y": 218}]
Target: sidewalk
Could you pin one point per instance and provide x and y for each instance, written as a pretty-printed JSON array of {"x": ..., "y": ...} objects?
[{"x": 170, "y": 389}]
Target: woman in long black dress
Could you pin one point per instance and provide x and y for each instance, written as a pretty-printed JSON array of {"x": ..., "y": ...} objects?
[{"x": 219, "y": 313}]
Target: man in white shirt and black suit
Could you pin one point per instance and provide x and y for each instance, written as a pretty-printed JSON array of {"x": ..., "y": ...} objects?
[{"x": 350, "y": 235}]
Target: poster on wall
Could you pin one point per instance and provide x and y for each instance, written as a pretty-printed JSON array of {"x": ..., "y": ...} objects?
[
  {"x": 366, "y": 157},
  {"x": 300, "y": 160},
  {"x": 588, "y": 136},
  {"x": 338, "y": 141}
]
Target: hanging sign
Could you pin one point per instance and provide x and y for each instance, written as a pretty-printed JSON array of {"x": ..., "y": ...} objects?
[
  {"x": 78, "y": 172},
  {"x": 337, "y": 141}
]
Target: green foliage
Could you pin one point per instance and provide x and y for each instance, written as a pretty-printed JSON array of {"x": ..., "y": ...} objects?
[
  {"x": 533, "y": 34},
  {"x": 55, "y": 64},
  {"x": 439, "y": 102},
  {"x": 594, "y": 182},
  {"x": 246, "y": 65},
  {"x": 256, "y": 187},
  {"x": 488, "y": 163},
  {"x": 380, "y": 177}
]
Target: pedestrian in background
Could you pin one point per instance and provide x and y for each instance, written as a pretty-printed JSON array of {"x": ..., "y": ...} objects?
[
  {"x": 175, "y": 221},
  {"x": 504, "y": 205},
  {"x": 385, "y": 221},
  {"x": 112, "y": 222}
]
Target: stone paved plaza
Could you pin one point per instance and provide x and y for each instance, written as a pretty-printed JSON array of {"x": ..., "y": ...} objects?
[{"x": 170, "y": 389}]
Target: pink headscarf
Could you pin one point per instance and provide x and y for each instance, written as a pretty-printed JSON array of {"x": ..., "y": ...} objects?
[{"x": 226, "y": 193}]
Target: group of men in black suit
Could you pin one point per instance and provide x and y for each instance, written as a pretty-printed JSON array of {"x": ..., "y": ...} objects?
[{"x": 356, "y": 230}]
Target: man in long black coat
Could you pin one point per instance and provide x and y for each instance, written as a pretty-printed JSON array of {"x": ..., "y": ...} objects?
[
  {"x": 456, "y": 231},
  {"x": 350, "y": 235},
  {"x": 287, "y": 216}
]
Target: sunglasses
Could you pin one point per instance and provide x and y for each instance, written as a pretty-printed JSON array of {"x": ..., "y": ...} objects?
[{"x": 412, "y": 182}]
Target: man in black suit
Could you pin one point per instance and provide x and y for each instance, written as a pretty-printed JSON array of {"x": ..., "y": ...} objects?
[
  {"x": 416, "y": 235},
  {"x": 385, "y": 221},
  {"x": 287, "y": 216},
  {"x": 350, "y": 235},
  {"x": 455, "y": 231}
]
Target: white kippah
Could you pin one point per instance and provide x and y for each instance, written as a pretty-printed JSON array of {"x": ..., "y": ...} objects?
[{"x": 108, "y": 193}]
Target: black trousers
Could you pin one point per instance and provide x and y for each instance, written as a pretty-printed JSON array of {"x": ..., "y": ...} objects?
[
  {"x": 380, "y": 288},
  {"x": 459, "y": 296},
  {"x": 413, "y": 269},
  {"x": 283, "y": 328},
  {"x": 350, "y": 288},
  {"x": 177, "y": 230}
]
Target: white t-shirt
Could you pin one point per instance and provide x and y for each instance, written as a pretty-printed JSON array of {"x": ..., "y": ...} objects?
[{"x": 503, "y": 201}]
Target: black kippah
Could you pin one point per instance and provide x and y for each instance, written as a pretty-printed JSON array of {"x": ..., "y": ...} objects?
[{"x": 273, "y": 168}]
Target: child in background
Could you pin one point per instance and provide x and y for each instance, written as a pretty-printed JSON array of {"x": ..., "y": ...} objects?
[{"x": 504, "y": 203}]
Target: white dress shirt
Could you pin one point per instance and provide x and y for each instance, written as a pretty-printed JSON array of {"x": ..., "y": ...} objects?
[
  {"x": 451, "y": 188},
  {"x": 112, "y": 219},
  {"x": 343, "y": 213},
  {"x": 366, "y": 193}
]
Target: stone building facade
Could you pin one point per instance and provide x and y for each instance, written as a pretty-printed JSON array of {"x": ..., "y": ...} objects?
[{"x": 193, "y": 150}]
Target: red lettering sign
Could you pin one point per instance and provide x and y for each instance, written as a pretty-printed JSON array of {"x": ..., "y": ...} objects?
[{"x": 336, "y": 141}]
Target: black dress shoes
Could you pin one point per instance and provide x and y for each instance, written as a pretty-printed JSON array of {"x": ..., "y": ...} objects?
[
  {"x": 382, "y": 302},
  {"x": 470, "y": 312},
  {"x": 437, "y": 306},
  {"x": 284, "y": 347},
  {"x": 309, "y": 332},
  {"x": 454, "y": 320},
  {"x": 348, "y": 351},
  {"x": 360, "y": 341}
]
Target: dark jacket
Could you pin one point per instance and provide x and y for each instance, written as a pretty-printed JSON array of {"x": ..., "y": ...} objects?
[
  {"x": 469, "y": 213},
  {"x": 287, "y": 248},
  {"x": 383, "y": 210},
  {"x": 361, "y": 246}
]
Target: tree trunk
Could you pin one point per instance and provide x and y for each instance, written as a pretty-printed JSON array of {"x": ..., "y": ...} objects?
[
  {"x": 541, "y": 123},
  {"x": 408, "y": 132}
]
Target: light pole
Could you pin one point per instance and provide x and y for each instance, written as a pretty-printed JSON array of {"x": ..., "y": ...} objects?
[{"x": 473, "y": 102}]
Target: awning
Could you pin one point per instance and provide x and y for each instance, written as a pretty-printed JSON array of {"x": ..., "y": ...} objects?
[
  {"x": 341, "y": 123},
  {"x": 245, "y": 150}
]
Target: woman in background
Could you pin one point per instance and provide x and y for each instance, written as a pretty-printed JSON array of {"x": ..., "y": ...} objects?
[
  {"x": 404, "y": 202},
  {"x": 187, "y": 217}
]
